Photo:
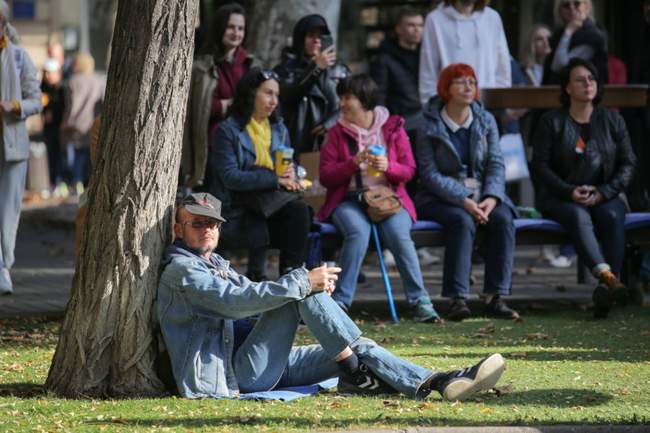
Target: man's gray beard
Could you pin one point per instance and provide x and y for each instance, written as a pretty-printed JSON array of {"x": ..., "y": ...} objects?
[{"x": 204, "y": 250}]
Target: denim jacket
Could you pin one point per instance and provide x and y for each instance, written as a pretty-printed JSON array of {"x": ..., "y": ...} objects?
[
  {"x": 196, "y": 304},
  {"x": 439, "y": 165}
]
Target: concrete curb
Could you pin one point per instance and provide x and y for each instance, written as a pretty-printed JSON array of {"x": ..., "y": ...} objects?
[
  {"x": 515, "y": 429},
  {"x": 60, "y": 217}
]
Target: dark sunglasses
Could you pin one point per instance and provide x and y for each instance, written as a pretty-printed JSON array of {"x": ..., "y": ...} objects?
[
  {"x": 268, "y": 74},
  {"x": 200, "y": 225},
  {"x": 576, "y": 4}
]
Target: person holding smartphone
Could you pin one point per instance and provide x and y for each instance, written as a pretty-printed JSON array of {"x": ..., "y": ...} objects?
[
  {"x": 582, "y": 163},
  {"x": 308, "y": 75}
]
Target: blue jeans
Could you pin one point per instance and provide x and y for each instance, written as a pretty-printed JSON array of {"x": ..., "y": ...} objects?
[
  {"x": 76, "y": 164},
  {"x": 568, "y": 251},
  {"x": 460, "y": 231},
  {"x": 12, "y": 185},
  {"x": 592, "y": 227},
  {"x": 395, "y": 232},
  {"x": 268, "y": 359}
]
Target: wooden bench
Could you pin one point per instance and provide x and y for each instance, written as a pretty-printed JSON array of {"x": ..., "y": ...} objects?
[{"x": 622, "y": 96}]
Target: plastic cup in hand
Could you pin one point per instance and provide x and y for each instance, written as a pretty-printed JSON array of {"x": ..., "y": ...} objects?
[
  {"x": 283, "y": 159},
  {"x": 375, "y": 150},
  {"x": 301, "y": 173}
]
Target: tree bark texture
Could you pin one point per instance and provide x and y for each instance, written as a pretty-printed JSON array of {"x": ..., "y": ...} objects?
[
  {"x": 106, "y": 345},
  {"x": 271, "y": 24}
]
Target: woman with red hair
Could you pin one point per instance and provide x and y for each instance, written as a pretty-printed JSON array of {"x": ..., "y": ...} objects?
[{"x": 463, "y": 187}]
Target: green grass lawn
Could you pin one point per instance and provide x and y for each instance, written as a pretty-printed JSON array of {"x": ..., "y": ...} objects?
[{"x": 562, "y": 368}]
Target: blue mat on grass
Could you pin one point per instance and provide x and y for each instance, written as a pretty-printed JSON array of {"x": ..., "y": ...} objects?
[{"x": 291, "y": 393}]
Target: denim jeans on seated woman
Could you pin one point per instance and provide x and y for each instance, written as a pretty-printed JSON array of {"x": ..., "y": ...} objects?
[
  {"x": 268, "y": 358},
  {"x": 597, "y": 232},
  {"x": 395, "y": 234},
  {"x": 460, "y": 231}
]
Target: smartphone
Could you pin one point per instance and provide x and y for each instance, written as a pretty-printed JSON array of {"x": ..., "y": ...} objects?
[{"x": 326, "y": 41}]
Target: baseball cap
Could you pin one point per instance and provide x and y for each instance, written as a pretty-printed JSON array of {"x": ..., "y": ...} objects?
[{"x": 204, "y": 204}]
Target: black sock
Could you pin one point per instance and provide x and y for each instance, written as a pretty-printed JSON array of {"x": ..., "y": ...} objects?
[
  {"x": 437, "y": 381},
  {"x": 349, "y": 365}
]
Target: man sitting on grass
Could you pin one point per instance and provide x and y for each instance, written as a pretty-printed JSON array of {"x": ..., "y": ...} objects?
[{"x": 201, "y": 303}]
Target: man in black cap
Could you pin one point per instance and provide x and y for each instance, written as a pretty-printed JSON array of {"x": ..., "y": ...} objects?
[
  {"x": 202, "y": 301},
  {"x": 308, "y": 75}
]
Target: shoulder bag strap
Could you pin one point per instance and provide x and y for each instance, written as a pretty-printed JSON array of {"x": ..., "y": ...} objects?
[{"x": 354, "y": 148}]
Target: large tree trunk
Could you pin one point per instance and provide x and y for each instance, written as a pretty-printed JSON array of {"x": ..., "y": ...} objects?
[
  {"x": 105, "y": 347},
  {"x": 271, "y": 24}
]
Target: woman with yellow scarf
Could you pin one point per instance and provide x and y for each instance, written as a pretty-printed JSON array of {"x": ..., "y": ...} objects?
[{"x": 249, "y": 145}]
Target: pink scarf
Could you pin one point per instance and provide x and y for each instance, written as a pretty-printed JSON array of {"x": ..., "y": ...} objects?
[{"x": 365, "y": 138}]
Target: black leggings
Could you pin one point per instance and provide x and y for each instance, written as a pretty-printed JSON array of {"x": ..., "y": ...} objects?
[{"x": 289, "y": 229}]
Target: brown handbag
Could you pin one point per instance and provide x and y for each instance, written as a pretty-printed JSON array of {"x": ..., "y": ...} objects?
[{"x": 380, "y": 202}]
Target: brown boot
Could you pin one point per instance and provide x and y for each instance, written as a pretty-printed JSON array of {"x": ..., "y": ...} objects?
[{"x": 617, "y": 289}]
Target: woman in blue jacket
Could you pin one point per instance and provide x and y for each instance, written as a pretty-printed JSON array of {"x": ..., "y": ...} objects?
[
  {"x": 245, "y": 147},
  {"x": 462, "y": 178}
]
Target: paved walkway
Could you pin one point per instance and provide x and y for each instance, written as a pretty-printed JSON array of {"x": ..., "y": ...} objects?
[{"x": 45, "y": 267}]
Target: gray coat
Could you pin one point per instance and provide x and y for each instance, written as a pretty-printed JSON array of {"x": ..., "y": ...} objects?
[
  {"x": 441, "y": 170},
  {"x": 26, "y": 91}
]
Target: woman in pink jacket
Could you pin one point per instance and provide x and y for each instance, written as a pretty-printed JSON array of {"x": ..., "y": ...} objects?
[{"x": 345, "y": 155}]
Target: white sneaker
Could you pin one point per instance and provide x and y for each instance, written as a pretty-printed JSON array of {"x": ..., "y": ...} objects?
[
  {"x": 561, "y": 262},
  {"x": 465, "y": 383},
  {"x": 426, "y": 258},
  {"x": 61, "y": 191},
  {"x": 389, "y": 259},
  {"x": 548, "y": 253},
  {"x": 6, "y": 287},
  {"x": 79, "y": 188}
]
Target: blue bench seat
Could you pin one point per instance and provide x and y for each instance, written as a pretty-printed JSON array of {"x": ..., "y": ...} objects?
[
  {"x": 529, "y": 232},
  {"x": 633, "y": 221}
]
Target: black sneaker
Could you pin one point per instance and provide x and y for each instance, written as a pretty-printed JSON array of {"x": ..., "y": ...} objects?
[
  {"x": 458, "y": 310},
  {"x": 462, "y": 384},
  {"x": 602, "y": 298},
  {"x": 498, "y": 309},
  {"x": 363, "y": 381}
]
